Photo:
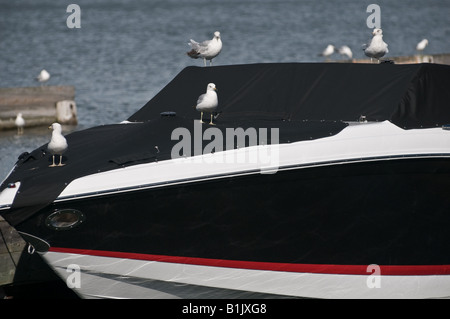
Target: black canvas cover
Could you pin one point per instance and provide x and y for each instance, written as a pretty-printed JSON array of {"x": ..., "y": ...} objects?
[
  {"x": 410, "y": 96},
  {"x": 303, "y": 101}
]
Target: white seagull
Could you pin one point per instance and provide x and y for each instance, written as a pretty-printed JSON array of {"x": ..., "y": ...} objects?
[
  {"x": 20, "y": 123},
  {"x": 58, "y": 144},
  {"x": 207, "y": 102},
  {"x": 346, "y": 51},
  {"x": 329, "y": 50},
  {"x": 44, "y": 76},
  {"x": 422, "y": 45},
  {"x": 377, "y": 48},
  {"x": 207, "y": 50}
]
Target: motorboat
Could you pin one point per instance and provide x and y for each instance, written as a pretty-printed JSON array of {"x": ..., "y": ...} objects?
[{"x": 317, "y": 180}]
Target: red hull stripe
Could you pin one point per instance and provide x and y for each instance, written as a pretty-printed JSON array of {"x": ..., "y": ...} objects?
[{"x": 397, "y": 270}]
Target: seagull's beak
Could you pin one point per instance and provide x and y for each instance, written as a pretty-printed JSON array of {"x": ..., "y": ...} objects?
[
  {"x": 49, "y": 127},
  {"x": 215, "y": 89}
]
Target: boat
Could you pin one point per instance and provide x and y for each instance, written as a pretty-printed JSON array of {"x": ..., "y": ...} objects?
[{"x": 315, "y": 180}]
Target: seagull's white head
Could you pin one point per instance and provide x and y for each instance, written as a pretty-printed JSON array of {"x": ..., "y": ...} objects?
[
  {"x": 211, "y": 87},
  {"x": 217, "y": 35},
  {"x": 56, "y": 127},
  {"x": 377, "y": 32}
]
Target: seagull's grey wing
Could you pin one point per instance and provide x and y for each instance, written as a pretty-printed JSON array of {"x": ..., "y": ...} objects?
[
  {"x": 200, "y": 47},
  {"x": 205, "y": 43},
  {"x": 366, "y": 45},
  {"x": 201, "y": 98},
  {"x": 203, "y": 47}
]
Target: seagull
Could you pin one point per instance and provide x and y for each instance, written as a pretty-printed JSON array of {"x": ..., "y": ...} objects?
[
  {"x": 377, "y": 48},
  {"x": 44, "y": 76},
  {"x": 57, "y": 145},
  {"x": 329, "y": 50},
  {"x": 207, "y": 102},
  {"x": 207, "y": 50},
  {"x": 345, "y": 50},
  {"x": 422, "y": 45},
  {"x": 20, "y": 123}
]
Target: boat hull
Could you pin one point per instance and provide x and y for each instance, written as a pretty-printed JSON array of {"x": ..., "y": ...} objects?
[{"x": 326, "y": 230}]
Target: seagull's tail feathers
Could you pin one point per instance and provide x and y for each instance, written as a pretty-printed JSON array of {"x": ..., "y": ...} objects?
[
  {"x": 193, "y": 54},
  {"x": 194, "y": 44},
  {"x": 195, "y": 49}
]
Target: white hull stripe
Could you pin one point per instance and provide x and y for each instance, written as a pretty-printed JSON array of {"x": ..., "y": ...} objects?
[
  {"x": 111, "y": 277},
  {"x": 244, "y": 173}
]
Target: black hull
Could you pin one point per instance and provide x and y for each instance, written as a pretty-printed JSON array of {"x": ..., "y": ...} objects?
[{"x": 391, "y": 212}]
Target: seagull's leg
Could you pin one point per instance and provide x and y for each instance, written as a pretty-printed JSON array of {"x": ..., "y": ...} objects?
[
  {"x": 211, "y": 122},
  {"x": 201, "y": 117},
  {"x": 53, "y": 165},
  {"x": 60, "y": 161},
  {"x": 204, "y": 61},
  {"x": 210, "y": 62}
]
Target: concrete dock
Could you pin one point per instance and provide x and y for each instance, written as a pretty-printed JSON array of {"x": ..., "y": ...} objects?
[
  {"x": 411, "y": 59},
  {"x": 41, "y": 105}
]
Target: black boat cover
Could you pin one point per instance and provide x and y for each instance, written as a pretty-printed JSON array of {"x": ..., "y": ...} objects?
[
  {"x": 410, "y": 96},
  {"x": 303, "y": 101}
]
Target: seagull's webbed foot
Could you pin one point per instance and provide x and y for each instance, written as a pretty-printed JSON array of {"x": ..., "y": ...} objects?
[{"x": 60, "y": 161}]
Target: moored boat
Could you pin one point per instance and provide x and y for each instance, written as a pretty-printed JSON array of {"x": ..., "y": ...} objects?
[{"x": 317, "y": 180}]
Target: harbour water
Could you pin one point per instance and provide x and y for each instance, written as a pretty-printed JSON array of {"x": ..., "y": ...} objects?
[{"x": 126, "y": 51}]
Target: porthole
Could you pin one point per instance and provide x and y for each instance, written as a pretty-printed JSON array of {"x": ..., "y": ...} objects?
[{"x": 64, "y": 219}]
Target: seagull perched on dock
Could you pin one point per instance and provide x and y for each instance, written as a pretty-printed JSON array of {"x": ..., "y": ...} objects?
[
  {"x": 58, "y": 144},
  {"x": 44, "y": 76},
  {"x": 422, "y": 45},
  {"x": 207, "y": 50},
  {"x": 346, "y": 51},
  {"x": 377, "y": 48},
  {"x": 329, "y": 50},
  {"x": 207, "y": 102},
  {"x": 20, "y": 123}
]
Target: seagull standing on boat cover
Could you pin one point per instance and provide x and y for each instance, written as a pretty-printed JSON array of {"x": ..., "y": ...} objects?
[
  {"x": 57, "y": 145},
  {"x": 207, "y": 102},
  {"x": 207, "y": 50}
]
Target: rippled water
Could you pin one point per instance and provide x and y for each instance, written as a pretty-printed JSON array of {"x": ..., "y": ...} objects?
[{"x": 126, "y": 51}]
